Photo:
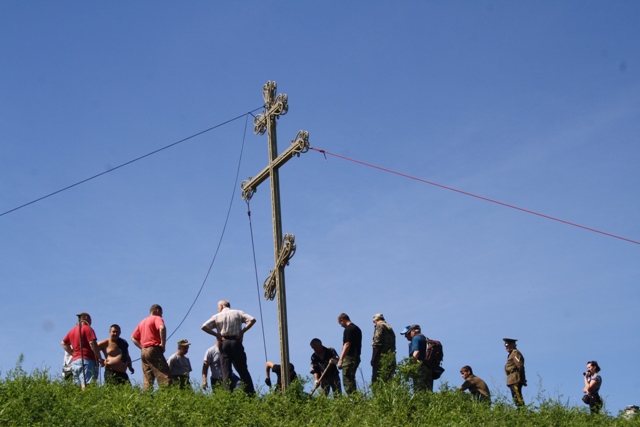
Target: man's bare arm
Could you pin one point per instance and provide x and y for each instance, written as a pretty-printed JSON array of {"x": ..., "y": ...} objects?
[
  {"x": 102, "y": 346},
  {"x": 269, "y": 366},
  {"x": 67, "y": 348},
  {"x": 249, "y": 325},
  {"x": 210, "y": 331},
  {"x": 345, "y": 350},
  {"x": 136, "y": 342},
  {"x": 163, "y": 337},
  {"x": 246, "y": 328},
  {"x": 205, "y": 371},
  {"x": 96, "y": 351}
]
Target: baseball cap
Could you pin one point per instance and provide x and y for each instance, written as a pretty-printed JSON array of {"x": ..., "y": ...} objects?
[{"x": 409, "y": 328}]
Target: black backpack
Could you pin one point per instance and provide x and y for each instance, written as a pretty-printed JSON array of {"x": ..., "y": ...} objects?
[{"x": 433, "y": 357}]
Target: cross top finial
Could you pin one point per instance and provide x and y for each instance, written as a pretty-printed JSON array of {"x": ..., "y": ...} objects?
[
  {"x": 274, "y": 107},
  {"x": 269, "y": 92}
]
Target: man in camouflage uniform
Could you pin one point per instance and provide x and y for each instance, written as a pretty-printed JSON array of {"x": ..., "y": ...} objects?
[
  {"x": 384, "y": 342},
  {"x": 516, "y": 378}
]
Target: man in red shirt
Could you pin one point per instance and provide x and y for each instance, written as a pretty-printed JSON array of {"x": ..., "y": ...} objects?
[
  {"x": 81, "y": 344},
  {"x": 151, "y": 337}
]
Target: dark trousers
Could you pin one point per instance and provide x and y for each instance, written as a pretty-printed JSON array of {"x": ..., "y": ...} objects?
[
  {"x": 217, "y": 382},
  {"x": 422, "y": 378},
  {"x": 182, "y": 381},
  {"x": 596, "y": 403},
  {"x": 383, "y": 370},
  {"x": 331, "y": 384},
  {"x": 232, "y": 353},
  {"x": 115, "y": 377}
]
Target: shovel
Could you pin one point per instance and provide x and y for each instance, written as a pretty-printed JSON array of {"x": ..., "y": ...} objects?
[{"x": 331, "y": 362}]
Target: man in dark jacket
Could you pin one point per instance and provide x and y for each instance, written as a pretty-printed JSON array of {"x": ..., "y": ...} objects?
[{"x": 323, "y": 365}]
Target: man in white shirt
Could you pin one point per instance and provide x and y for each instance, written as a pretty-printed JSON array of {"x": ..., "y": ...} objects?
[{"x": 230, "y": 332}]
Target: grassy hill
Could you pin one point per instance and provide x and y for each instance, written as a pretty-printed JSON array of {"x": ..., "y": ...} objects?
[{"x": 36, "y": 399}]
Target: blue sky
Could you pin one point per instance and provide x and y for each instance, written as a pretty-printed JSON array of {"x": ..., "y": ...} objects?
[{"x": 534, "y": 104}]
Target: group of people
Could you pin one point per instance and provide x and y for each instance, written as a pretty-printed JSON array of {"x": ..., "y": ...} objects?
[{"x": 84, "y": 354}]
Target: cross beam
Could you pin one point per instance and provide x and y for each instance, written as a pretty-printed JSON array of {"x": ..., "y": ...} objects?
[
  {"x": 274, "y": 107},
  {"x": 299, "y": 145}
]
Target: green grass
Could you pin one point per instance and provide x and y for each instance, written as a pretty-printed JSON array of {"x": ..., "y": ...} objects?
[{"x": 36, "y": 399}]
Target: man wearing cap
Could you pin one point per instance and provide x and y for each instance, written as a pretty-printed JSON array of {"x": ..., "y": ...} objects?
[
  {"x": 81, "y": 344},
  {"x": 180, "y": 365},
  {"x": 350, "y": 357},
  {"x": 514, "y": 369},
  {"x": 150, "y": 336},
  {"x": 384, "y": 343},
  {"x": 229, "y": 333},
  {"x": 423, "y": 378}
]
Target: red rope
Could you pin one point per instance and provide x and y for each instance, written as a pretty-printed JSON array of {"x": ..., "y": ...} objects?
[{"x": 324, "y": 152}]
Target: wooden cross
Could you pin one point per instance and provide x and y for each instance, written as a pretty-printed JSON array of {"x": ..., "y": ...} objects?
[{"x": 284, "y": 247}]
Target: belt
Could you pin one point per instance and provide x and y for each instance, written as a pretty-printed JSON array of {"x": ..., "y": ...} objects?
[{"x": 230, "y": 337}]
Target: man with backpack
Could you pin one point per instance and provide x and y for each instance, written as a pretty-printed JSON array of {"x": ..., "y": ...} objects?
[{"x": 423, "y": 380}]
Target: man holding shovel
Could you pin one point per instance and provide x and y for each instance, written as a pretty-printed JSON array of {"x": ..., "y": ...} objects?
[{"x": 323, "y": 368}]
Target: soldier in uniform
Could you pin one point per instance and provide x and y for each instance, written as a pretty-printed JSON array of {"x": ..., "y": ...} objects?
[
  {"x": 516, "y": 378},
  {"x": 384, "y": 342}
]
